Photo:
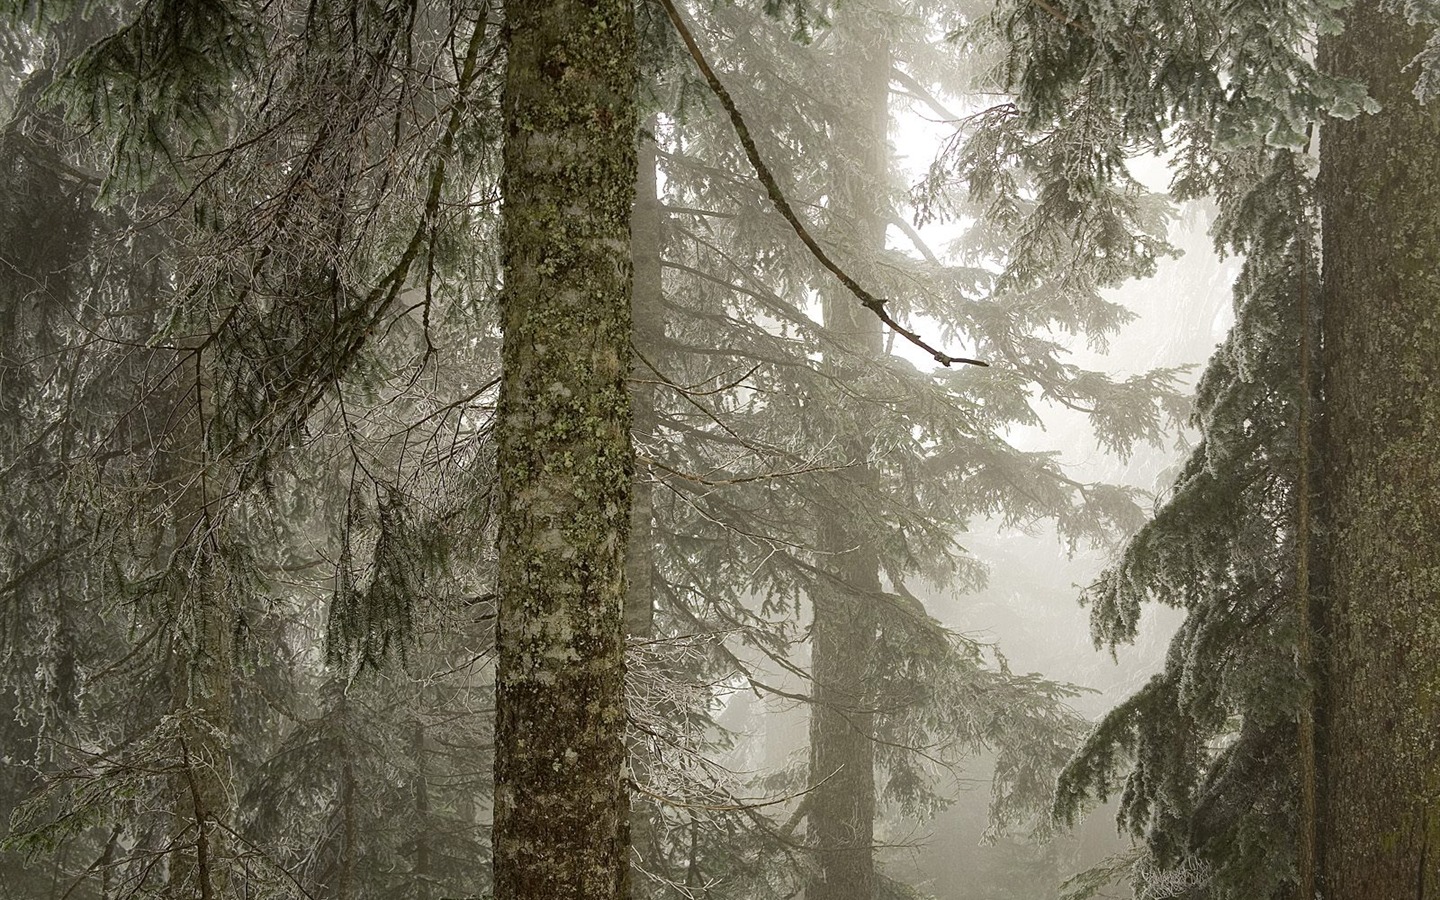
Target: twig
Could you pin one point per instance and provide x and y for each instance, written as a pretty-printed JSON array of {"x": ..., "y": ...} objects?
[
  {"x": 739, "y": 804},
  {"x": 875, "y": 304}
]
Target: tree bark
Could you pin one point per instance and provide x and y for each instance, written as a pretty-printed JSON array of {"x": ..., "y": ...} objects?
[
  {"x": 565, "y": 461},
  {"x": 841, "y": 817},
  {"x": 201, "y": 667},
  {"x": 647, "y": 315},
  {"x": 421, "y": 787},
  {"x": 1379, "y": 193},
  {"x": 349, "y": 831},
  {"x": 648, "y": 323}
]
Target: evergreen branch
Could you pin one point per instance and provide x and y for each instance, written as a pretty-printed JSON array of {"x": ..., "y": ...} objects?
[
  {"x": 875, "y": 304},
  {"x": 1059, "y": 16},
  {"x": 915, "y": 239},
  {"x": 738, "y": 803},
  {"x": 739, "y": 479},
  {"x": 695, "y": 391},
  {"x": 923, "y": 94},
  {"x": 267, "y": 857}
]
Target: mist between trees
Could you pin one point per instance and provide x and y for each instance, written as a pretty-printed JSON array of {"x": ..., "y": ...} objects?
[{"x": 560, "y": 449}]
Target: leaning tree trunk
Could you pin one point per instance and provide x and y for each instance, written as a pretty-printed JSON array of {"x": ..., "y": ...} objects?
[
  {"x": 841, "y": 815},
  {"x": 1380, "y": 201},
  {"x": 565, "y": 460}
]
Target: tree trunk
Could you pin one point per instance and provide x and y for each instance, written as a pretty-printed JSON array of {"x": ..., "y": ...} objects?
[
  {"x": 349, "y": 831},
  {"x": 202, "y": 660},
  {"x": 421, "y": 787},
  {"x": 1380, "y": 199},
  {"x": 565, "y": 460},
  {"x": 647, "y": 317},
  {"x": 203, "y": 678},
  {"x": 841, "y": 816}
]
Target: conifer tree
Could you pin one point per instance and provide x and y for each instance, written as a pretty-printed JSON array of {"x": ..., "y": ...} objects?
[
  {"x": 841, "y": 813},
  {"x": 1234, "y": 754},
  {"x": 762, "y": 440},
  {"x": 1379, "y": 487},
  {"x": 565, "y": 461},
  {"x": 242, "y": 308}
]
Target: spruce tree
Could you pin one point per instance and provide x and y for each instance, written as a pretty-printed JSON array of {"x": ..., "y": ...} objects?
[
  {"x": 269, "y": 276},
  {"x": 841, "y": 813}
]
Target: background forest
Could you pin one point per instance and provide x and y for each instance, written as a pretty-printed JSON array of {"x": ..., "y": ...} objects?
[{"x": 594, "y": 449}]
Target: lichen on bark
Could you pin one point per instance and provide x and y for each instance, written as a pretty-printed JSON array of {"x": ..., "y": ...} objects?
[
  {"x": 1379, "y": 192},
  {"x": 565, "y": 459}
]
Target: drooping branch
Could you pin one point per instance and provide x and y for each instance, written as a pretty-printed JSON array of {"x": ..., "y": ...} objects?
[{"x": 875, "y": 304}]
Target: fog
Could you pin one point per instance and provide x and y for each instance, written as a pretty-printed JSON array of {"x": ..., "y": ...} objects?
[{"x": 770, "y": 449}]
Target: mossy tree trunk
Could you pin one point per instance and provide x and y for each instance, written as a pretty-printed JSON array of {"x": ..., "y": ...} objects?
[
  {"x": 1380, "y": 201},
  {"x": 841, "y": 814},
  {"x": 565, "y": 461}
]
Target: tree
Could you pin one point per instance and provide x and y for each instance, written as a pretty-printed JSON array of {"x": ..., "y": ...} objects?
[
  {"x": 243, "y": 311},
  {"x": 565, "y": 461},
  {"x": 1241, "y": 754},
  {"x": 841, "y": 811},
  {"x": 1379, "y": 196},
  {"x": 761, "y": 480}
]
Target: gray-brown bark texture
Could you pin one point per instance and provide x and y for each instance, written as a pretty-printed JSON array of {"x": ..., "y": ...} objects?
[
  {"x": 565, "y": 460},
  {"x": 1380, "y": 201},
  {"x": 203, "y": 677},
  {"x": 647, "y": 307},
  {"x": 647, "y": 315},
  {"x": 202, "y": 664},
  {"x": 841, "y": 817}
]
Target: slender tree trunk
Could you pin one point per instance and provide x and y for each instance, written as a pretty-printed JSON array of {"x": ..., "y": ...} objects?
[
  {"x": 202, "y": 662},
  {"x": 202, "y": 796},
  {"x": 1380, "y": 201},
  {"x": 418, "y": 753},
  {"x": 841, "y": 817},
  {"x": 349, "y": 830},
  {"x": 647, "y": 316},
  {"x": 565, "y": 461}
]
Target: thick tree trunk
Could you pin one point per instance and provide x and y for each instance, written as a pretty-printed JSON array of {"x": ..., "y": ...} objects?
[
  {"x": 841, "y": 817},
  {"x": 565, "y": 459},
  {"x": 1380, "y": 201}
]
